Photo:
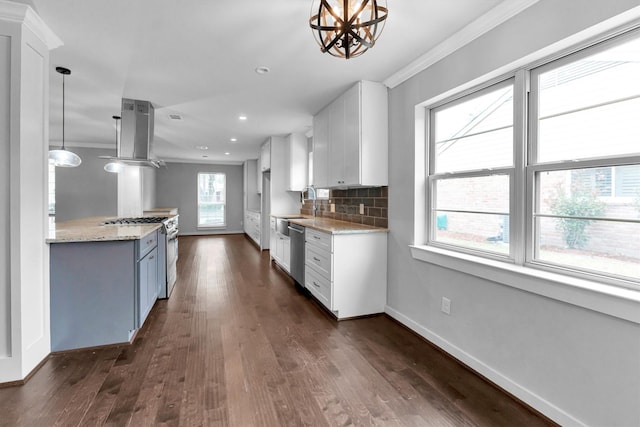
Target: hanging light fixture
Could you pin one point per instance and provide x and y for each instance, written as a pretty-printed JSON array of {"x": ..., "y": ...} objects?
[
  {"x": 347, "y": 28},
  {"x": 62, "y": 157},
  {"x": 115, "y": 166}
]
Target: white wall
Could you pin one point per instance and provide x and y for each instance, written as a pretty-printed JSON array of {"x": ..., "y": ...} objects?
[
  {"x": 576, "y": 365},
  {"x": 176, "y": 186},
  {"x": 86, "y": 190}
]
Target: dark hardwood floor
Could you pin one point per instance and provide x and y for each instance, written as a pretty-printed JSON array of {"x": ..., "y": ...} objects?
[{"x": 238, "y": 345}]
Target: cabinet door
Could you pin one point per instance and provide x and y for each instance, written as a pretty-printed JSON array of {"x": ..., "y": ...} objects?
[
  {"x": 336, "y": 142},
  {"x": 147, "y": 286},
  {"x": 273, "y": 245},
  {"x": 352, "y": 137},
  {"x": 321, "y": 149},
  {"x": 265, "y": 156},
  {"x": 286, "y": 253},
  {"x": 297, "y": 154}
]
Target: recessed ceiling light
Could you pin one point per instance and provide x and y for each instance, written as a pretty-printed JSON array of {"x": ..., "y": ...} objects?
[
  {"x": 262, "y": 70},
  {"x": 234, "y": 140},
  {"x": 202, "y": 147},
  {"x": 242, "y": 117},
  {"x": 227, "y": 153},
  {"x": 204, "y": 156}
]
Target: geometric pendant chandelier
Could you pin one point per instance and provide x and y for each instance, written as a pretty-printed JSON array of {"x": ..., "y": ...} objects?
[
  {"x": 347, "y": 28},
  {"x": 62, "y": 157}
]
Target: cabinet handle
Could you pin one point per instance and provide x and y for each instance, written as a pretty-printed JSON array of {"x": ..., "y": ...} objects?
[
  {"x": 316, "y": 237},
  {"x": 316, "y": 285},
  {"x": 317, "y": 259},
  {"x": 151, "y": 257}
]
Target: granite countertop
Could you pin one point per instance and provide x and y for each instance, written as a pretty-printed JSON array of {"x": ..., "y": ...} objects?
[
  {"x": 332, "y": 226},
  {"x": 92, "y": 230}
]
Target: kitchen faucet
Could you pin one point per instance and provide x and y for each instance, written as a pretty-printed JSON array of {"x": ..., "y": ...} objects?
[{"x": 312, "y": 190}]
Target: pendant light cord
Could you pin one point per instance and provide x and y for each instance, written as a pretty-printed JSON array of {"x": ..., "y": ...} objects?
[{"x": 63, "y": 111}]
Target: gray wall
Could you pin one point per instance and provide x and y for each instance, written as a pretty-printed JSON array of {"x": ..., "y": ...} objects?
[
  {"x": 575, "y": 364},
  {"x": 176, "y": 187},
  {"x": 87, "y": 190}
]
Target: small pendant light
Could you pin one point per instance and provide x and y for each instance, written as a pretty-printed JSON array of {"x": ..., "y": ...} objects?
[
  {"x": 62, "y": 157},
  {"x": 115, "y": 167}
]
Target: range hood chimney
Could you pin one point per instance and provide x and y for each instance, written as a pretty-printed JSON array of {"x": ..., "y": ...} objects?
[{"x": 135, "y": 146}]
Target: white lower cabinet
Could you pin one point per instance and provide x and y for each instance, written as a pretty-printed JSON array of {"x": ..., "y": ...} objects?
[
  {"x": 347, "y": 273},
  {"x": 280, "y": 248},
  {"x": 252, "y": 225}
]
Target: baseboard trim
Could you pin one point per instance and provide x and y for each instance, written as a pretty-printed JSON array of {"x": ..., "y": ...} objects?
[
  {"x": 28, "y": 377},
  {"x": 521, "y": 394}
]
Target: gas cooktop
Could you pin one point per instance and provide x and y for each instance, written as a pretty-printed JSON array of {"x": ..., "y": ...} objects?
[{"x": 136, "y": 221}]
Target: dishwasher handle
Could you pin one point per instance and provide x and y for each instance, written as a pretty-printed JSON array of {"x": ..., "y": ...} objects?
[{"x": 297, "y": 230}]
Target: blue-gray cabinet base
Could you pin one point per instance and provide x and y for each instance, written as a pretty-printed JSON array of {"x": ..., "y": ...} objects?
[{"x": 101, "y": 292}]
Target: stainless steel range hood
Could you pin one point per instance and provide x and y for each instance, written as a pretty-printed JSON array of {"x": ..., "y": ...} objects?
[{"x": 135, "y": 146}]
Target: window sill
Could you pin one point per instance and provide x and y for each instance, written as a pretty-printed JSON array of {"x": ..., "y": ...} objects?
[
  {"x": 612, "y": 300},
  {"x": 211, "y": 227}
]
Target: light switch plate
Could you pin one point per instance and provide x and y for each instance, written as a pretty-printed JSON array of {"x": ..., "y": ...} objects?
[
  {"x": 361, "y": 208},
  {"x": 332, "y": 207}
]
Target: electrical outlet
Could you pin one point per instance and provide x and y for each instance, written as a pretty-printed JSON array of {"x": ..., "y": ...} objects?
[
  {"x": 332, "y": 207},
  {"x": 446, "y": 305},
  {"x": 361, "y": 208}
]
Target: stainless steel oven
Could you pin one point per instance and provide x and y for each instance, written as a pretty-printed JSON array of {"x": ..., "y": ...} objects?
[
  {"x": 169, "y": 246},
  {"x": 171, "y": 230}
]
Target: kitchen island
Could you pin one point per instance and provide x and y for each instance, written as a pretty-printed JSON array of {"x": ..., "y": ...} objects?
[{"x": 104, "y": 280}]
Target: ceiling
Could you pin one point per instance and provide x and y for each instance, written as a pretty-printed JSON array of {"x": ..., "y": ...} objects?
[{"x": 197, "y": 59}]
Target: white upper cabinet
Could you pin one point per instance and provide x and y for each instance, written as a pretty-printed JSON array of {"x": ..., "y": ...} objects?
[
  {"x": 351, "y": 139},
  {"x": 265, "y": 156},
  {"x": 321, "y": 148},
  {"x": 297, "y": 156}
]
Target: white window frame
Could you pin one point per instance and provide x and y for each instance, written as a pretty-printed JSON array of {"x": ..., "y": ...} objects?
[
  {"x": 534, "y": 167},
  {"x": 613, "y": 297},
  {"x": 205, "y": 226},
  {"x": 433, "y": 176}
]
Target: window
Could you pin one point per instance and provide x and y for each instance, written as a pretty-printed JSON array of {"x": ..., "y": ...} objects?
[
  {"x": 563, "y": 196},
  {"x": 212, "y": 197},
  {"x": 472, "y": 171},
  {"x": 584, "y": 165},
  {"x": 52, "y": 189}
]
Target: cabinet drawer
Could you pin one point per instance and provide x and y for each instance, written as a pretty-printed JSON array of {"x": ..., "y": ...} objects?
[
  {"x": 319, "y": 259},
  {"x": 319, "y": 286},
  {"x": 147, "y": 243},
  {"x": 319, "y": 239}
]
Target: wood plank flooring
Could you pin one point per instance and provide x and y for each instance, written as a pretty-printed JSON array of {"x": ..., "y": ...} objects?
[{"x": 237, "y": 344}]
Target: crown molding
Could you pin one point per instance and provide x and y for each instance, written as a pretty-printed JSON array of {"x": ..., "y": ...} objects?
[
  {"x": 25, "y": 15},
  {"x": 485, "y": 23},
  {"x": 204, "y": 162}
]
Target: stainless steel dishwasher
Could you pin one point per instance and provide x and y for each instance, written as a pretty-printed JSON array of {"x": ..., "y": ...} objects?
[{"x": 296, "y": 234}]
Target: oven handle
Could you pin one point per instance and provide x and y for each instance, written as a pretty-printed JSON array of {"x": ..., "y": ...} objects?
[
  {"x": 172, "y": 236},
  {"x": 295, "y": 229}
]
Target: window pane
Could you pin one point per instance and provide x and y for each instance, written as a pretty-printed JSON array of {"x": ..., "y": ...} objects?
[
  {"x": 484, "y": 232},
  {"x": 590, "y": 107},
  {"x": 211, "y": 199},
  {"x": 572, "y": 235},
  {"x": 482, "y": 193},
  {"x": 483, "y": 151},
  {"x": 586, "y": 193},
  {"x": 473, "y": 212},
  {"x": 476, "y": 133},
  {"x": 591, "y": 245}
]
